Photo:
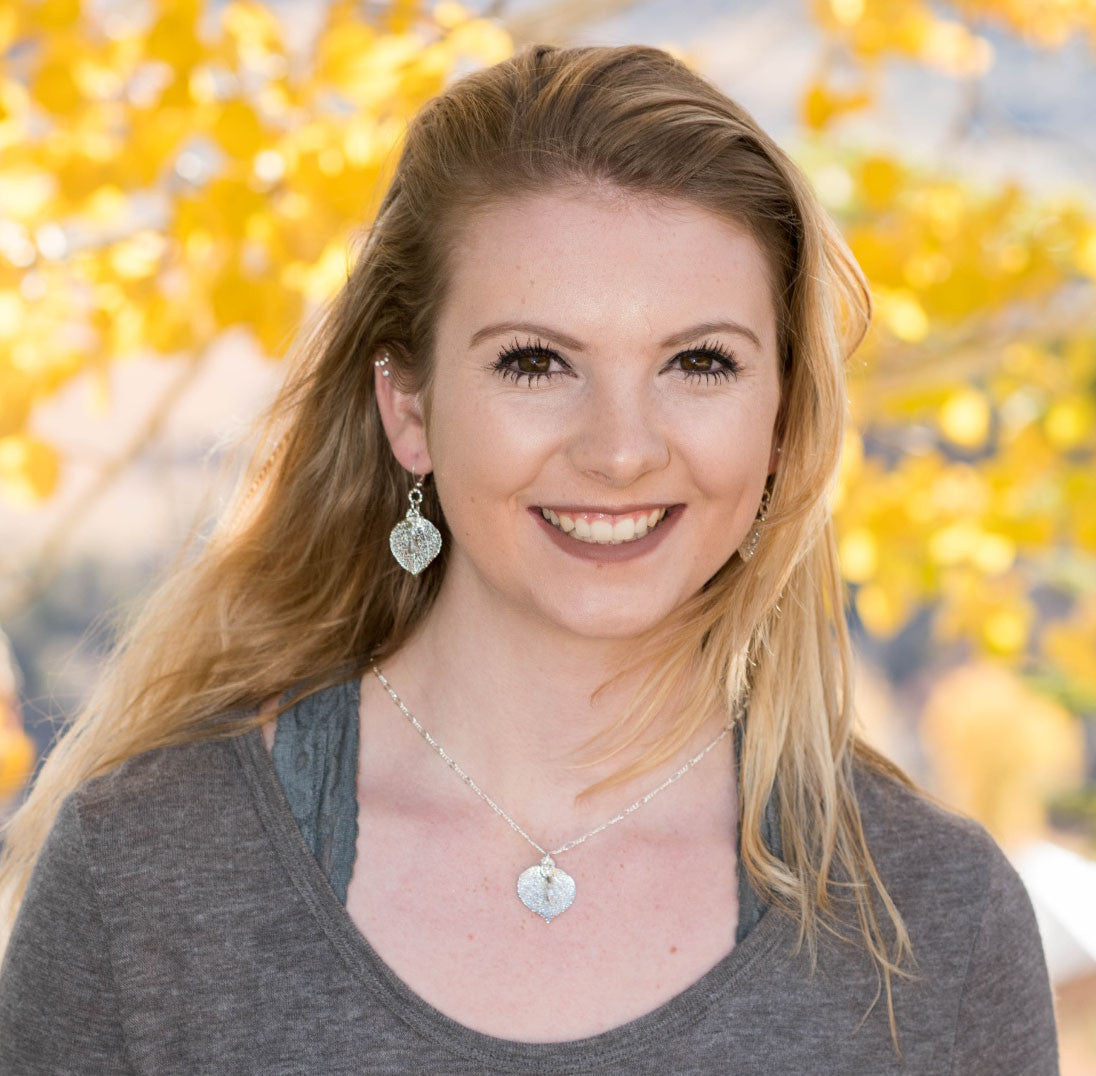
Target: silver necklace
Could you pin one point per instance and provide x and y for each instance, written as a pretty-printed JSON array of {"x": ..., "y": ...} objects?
[{"x": 543, "y": 888}]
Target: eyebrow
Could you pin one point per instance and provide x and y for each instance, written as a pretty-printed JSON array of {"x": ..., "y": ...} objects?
[{"x": 704, "y": 328}]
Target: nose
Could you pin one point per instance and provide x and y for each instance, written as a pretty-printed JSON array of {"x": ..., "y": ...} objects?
[{"x": 617, "y": 436}]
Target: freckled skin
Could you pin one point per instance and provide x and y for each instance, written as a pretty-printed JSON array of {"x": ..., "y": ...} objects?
[{"x": 621, "y": 426}]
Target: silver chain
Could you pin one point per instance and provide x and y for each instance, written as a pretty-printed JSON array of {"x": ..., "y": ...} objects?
[{"x": 499, "y": 811}]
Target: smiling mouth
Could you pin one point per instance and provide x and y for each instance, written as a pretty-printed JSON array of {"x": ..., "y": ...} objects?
[{"x": 598, "y": 528}]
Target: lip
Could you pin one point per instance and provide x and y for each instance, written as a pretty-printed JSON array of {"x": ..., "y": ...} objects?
[
  {"x": 611, "y": 554},
  {"x": 603, "y": 511}
]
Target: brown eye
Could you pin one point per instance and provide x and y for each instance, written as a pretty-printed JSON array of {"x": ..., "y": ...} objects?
[
  {"x": 534, "y": 364},
  {"x": 696, "y": 363},
  {"x": 529, "y": 363},
  {"x": 710, "y": 362}
]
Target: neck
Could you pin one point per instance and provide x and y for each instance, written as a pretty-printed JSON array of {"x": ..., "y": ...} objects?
[{"x": 515, "y": 717}]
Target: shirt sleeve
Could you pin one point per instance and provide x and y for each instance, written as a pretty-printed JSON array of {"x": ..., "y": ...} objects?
[
  {"x": 1006, "y": 1021},
  {"x": 58, "y": 1001}
]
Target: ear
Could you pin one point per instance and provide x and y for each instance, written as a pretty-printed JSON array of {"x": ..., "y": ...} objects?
[
  {"x": 774, "y": 457},
  {"x": 401, "y": 416},
  {"x": 777, "y": 439}
]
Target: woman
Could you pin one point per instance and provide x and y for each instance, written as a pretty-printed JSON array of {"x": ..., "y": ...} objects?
[{"x": 348, "y": 800}]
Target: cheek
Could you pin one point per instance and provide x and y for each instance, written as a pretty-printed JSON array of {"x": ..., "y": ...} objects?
[
  {"x": 484, "y": 449},
  {"x": 728, "y": 463},
  {"x": 728, "y": 448}
]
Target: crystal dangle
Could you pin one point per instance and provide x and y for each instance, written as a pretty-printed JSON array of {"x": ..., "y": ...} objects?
[{"x": 749, "y": 547}]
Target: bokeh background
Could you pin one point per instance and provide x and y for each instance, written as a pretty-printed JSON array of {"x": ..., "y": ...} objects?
[{"x": 179, "y": 187}]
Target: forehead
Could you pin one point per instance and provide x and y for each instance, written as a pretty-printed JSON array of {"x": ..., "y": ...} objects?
[{"x": 607, "y": 260}]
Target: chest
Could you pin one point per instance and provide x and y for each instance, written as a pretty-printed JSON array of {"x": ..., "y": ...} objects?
[{"x": 650, "y": 917}]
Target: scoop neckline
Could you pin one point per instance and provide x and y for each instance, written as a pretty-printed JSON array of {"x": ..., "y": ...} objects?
[{"x": 616, "y": 1044}]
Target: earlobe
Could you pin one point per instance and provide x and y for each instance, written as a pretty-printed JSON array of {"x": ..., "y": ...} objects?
[{"x": 774, "y": 459}]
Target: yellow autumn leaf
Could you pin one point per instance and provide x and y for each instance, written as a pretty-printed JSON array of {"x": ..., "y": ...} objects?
[
  {"x": 52, "y": 14},
  {"x": 13, "y": 314},
  {"x": 400, "y": 15},
  {"x": 17, "y": 755},
  {"x": 236, "y": 297},
  {"x": 239, "y": 130},
  {"x": 965, "y": 418},
  {"x": 884, "y": 609},
  {"x": 1070, "y": 644},
  {"x": 29, "y": 470},
  {"x": 847, "y": 12},
  {"x": 859, "y": 554},
  {"x": 1071, "y": 422},
  {"x": 252, "y": 25},
  {"x": 821, "y": 105},
  {"x": 277, "y": 312},
  {"x": 1005, "y": 630},
  {"x": 1086, "y": 251},
  {"x": 880, "y": 179},
  {"x": 173, "y": 37},
  {"x": 25, "y": 191},
  {"x": 485, "y": 40},
  {"x": 902, "y": 313},
  {"x": 993, "y": 554},
  {"x": 319, "y": 280},
  {"x": 9, "y": 26},
  {"x": 54, "y": 84},
  {"x": 16, "y": 397},
  {"x": 951, "y": 47},
  {"x": 448, "y": 13},
  {"x": 138, "y": 255}
]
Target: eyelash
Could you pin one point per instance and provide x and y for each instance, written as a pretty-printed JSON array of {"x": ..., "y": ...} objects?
[{"x": 728, "y": 365}]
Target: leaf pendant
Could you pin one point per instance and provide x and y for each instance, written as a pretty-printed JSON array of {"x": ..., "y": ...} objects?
[{"x": 546, "y": 890}]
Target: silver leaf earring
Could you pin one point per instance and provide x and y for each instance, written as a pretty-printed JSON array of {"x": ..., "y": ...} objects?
[
  {"x": 414, "y": 541},
  {"x": 749, "y": 547}
]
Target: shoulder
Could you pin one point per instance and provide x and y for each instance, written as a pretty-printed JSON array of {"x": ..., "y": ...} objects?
[
  {"x": 180, "y": 793},
  {"x": 170, "y": 770},
  {"x": 945, "y": 871},
  {"x": 115, "y": 840},
  {"x": 891, "y": 806},
  {"x": 911, "y": 835},
  {"x": 57, "y": 985},
  {"x": 919, "y": 842},
  {"x": 972, "y": 925}
]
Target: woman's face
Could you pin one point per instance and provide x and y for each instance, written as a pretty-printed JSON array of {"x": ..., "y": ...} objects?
[{"x": 601, "y": 357}]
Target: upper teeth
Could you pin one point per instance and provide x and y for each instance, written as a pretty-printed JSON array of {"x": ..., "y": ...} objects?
[{"x": 600, "y": 528}]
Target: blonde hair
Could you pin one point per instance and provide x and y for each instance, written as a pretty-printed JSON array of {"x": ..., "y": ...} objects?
[{"x": 296, "y": 586}]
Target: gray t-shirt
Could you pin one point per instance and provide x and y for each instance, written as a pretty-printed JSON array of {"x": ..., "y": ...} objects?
[{"x": 179, "y": 920}]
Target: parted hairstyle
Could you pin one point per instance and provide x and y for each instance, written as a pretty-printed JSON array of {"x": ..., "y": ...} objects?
[{"x": 296, "y": 587}]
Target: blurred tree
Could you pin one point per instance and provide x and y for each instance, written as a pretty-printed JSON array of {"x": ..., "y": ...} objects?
[
  {"x": 172, "y": 170},
  {"x": 969, "y": 487},
  {"x": 169, "y": 173}
]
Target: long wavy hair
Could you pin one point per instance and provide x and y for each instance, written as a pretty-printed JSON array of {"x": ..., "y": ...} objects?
[{"x": 296, "y": 589}]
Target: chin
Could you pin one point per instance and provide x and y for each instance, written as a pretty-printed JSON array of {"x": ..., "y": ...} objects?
[{"x": 622, "y": 623}]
